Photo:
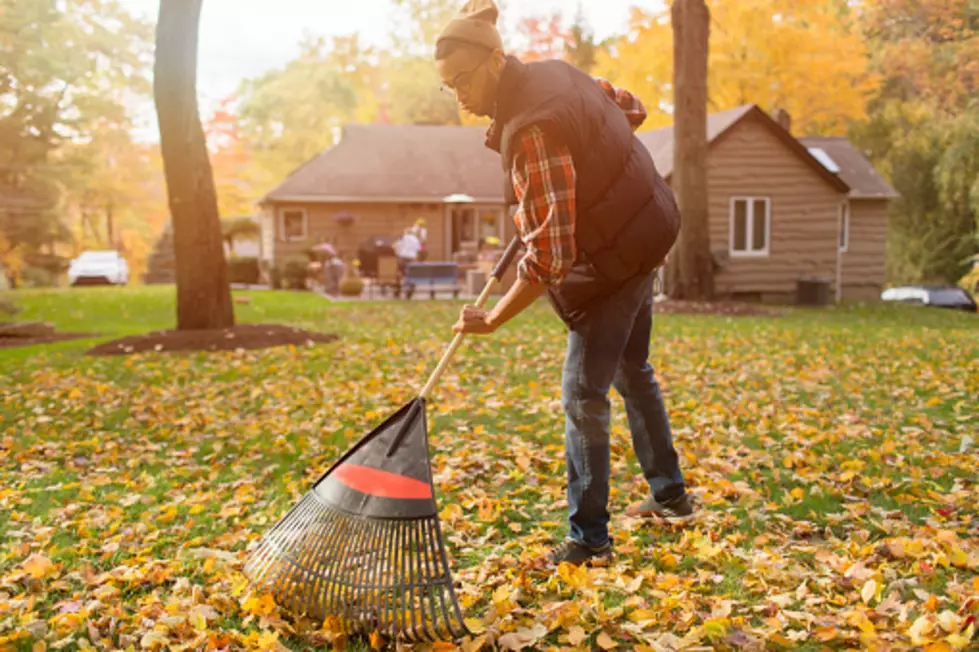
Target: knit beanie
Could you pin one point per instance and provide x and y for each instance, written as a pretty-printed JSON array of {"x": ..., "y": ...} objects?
[{"x": 475, "y": 24}]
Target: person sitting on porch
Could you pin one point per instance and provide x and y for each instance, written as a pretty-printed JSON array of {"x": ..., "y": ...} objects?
[
  {"x": 406, "y": 249},
  {"x": 421, "y": 232}
]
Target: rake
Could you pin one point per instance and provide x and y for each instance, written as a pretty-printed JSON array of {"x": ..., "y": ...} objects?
[{"x": 363, "y": 548}]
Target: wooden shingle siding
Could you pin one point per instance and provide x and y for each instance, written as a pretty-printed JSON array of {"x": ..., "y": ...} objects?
[
  {"x": 864, "y": 262},
  {"x": 749, "y": 161},
  {"x": 372, "y": 220}
]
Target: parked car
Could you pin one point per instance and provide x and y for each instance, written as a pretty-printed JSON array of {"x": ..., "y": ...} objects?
[
  {"x": 939, "y": 296},
  {"x": 98, "y": 268}
]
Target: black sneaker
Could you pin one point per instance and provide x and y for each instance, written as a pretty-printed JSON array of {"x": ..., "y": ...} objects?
[
  {"x": 675, "y": 510},
  {"x": 576, "y": 554}
]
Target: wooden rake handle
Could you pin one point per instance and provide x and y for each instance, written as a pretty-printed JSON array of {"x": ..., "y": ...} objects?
[{"x": 495, "y": 278}]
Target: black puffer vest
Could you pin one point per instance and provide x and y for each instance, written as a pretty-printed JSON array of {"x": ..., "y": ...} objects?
[{"x": 627, "y": 220}]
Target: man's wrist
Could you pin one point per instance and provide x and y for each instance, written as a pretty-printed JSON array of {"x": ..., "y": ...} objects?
[{"x": 492, "y": 320}]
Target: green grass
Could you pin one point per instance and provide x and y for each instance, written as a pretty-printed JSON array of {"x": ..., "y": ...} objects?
[{"x": 810, "y": 439}]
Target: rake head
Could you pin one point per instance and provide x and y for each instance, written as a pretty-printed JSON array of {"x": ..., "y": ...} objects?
[{"x": 364, "y": 545}]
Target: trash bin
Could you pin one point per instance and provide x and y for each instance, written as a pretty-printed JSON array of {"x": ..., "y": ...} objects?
[
  {"x": 475, "y": 281},
  {"x": 813, "y": 291}
]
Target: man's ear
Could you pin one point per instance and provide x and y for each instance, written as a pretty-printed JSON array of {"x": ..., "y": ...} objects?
[{"x": 497, "y": 62}]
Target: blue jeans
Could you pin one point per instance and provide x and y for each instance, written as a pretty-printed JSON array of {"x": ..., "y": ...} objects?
[{"x": 609, "y": 346}]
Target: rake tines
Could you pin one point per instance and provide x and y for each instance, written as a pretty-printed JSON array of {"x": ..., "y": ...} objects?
[{"x": 364, "y": 545}]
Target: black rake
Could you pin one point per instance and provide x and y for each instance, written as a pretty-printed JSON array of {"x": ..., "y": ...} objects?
[{"x": 363, "y": 548}]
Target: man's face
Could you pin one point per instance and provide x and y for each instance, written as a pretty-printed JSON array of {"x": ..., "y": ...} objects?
[{"x": 473, "y": 76}]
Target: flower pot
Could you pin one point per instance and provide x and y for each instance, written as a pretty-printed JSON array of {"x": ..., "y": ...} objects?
[{"x": 351, "y": 286}]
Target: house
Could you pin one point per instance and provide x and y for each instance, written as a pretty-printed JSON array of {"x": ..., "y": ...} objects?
[
  {"x": 781, "y": 208},
  {"x": 379, "y": 180}
]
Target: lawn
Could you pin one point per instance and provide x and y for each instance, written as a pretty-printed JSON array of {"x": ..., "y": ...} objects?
[{"x": 834, "y": 453}]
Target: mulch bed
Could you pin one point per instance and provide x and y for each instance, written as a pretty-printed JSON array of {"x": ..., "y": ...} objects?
[
  {"x": 728, "y": 308},
  {"x": 249, "y": 336},
  {"x": 13, "y": 342}
]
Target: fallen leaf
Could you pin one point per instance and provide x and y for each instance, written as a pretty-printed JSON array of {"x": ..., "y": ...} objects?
[
  {"x": 577, "y": 635},
  {"x": 605, "y": 642},
  {"x": 38, "y": 566},
  {"x": 869, "y": 591},
  {"x": 475, "y": 625}
]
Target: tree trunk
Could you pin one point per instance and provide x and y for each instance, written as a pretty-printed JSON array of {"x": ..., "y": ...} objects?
[
  {"x": 109, "y": 227},
  {"x": 203, "y": 292},
  {"x": 691, "y": 271}
]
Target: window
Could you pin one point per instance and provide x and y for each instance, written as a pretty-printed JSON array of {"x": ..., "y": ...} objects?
[
  {"x": 844, "y": 227},
  {"x": 293, "y": 225},
  {"x": 750, "y": 226}
]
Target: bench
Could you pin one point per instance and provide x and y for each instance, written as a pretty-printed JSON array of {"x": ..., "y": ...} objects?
[{"x": 432, "y": 277}]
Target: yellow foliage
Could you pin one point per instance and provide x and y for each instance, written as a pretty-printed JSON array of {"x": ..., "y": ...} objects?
[{"x": 806, "y": 58}]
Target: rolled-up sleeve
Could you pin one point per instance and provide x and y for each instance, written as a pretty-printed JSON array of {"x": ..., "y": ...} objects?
[
  {"x": 544, "y": 181},
  {"x": 631, "y": 105}
]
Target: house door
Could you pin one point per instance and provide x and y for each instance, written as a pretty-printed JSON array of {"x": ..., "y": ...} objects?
[{"x": 469, "y": 225}]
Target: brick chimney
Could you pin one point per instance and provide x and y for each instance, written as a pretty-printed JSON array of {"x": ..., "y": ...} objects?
[{"x": 784, "y": 119}]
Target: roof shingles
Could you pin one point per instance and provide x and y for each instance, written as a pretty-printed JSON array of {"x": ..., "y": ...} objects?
[
  {"x": 423, "y": 163},
  {"x": 859, "y": 173},
  {"x": 659, "y": 142},
  {"x": 390, "y": 162}
]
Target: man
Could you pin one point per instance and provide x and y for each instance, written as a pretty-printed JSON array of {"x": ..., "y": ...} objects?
[{"x": 596, "y": 221}]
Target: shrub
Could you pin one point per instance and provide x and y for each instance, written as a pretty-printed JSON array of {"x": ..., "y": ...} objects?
[
  {"x": 243, "y": 270},
  {"x": 293, "y": 273},
  {"x": 38, "y": 277}
]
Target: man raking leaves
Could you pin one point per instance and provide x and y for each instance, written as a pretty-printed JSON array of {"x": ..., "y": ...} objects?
[{"x": 597, "y": 220}]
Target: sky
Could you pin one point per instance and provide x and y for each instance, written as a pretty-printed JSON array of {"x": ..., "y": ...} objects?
[{"x": 244, "y": 38}]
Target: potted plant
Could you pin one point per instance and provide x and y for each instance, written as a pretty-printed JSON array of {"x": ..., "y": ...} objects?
[{"x": 351, "y": 285}]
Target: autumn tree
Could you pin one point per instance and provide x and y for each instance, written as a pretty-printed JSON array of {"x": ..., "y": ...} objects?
[
  {"x": 922, "y": 131},
  {"x": 641, "y": 61},
  {"x": 420, "y": 22},
  {"x": 67, "y": 71},
  {"x": 203, "y": 291},
  {"x": 807, "y": 58},
  {"x": 114, "y": 196},
  {"x": 540, "y": 37},
  {"x": 238, "y": 181},
  {"x": 691, "y": 274},
  {"x": 411, "y": 83},
  {"x": 413, "y": 94},
  {"x": 291, "y": 114},
  {"x": 580, "y": 48}
]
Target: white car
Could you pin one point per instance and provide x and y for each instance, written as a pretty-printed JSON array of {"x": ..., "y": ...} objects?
[
  {"x": 939, "y": 296},
  {"x": 98, "y": 268}
]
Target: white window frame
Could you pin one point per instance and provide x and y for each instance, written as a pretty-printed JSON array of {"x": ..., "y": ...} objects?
[
  {"x": 282, "y": 225},
  {"x": 844, "y": 227},
  {"x": 750, "y": 225}
]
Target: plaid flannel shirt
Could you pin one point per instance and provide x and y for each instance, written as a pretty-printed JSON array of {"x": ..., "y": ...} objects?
[{"x": 543, "y": 177}]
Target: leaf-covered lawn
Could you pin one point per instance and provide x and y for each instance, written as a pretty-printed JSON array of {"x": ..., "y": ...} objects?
[{"x": 834, "y": 454}]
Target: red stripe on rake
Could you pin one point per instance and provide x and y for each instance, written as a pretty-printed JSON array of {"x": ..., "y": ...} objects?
[{"x": 381, "y": 483}]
